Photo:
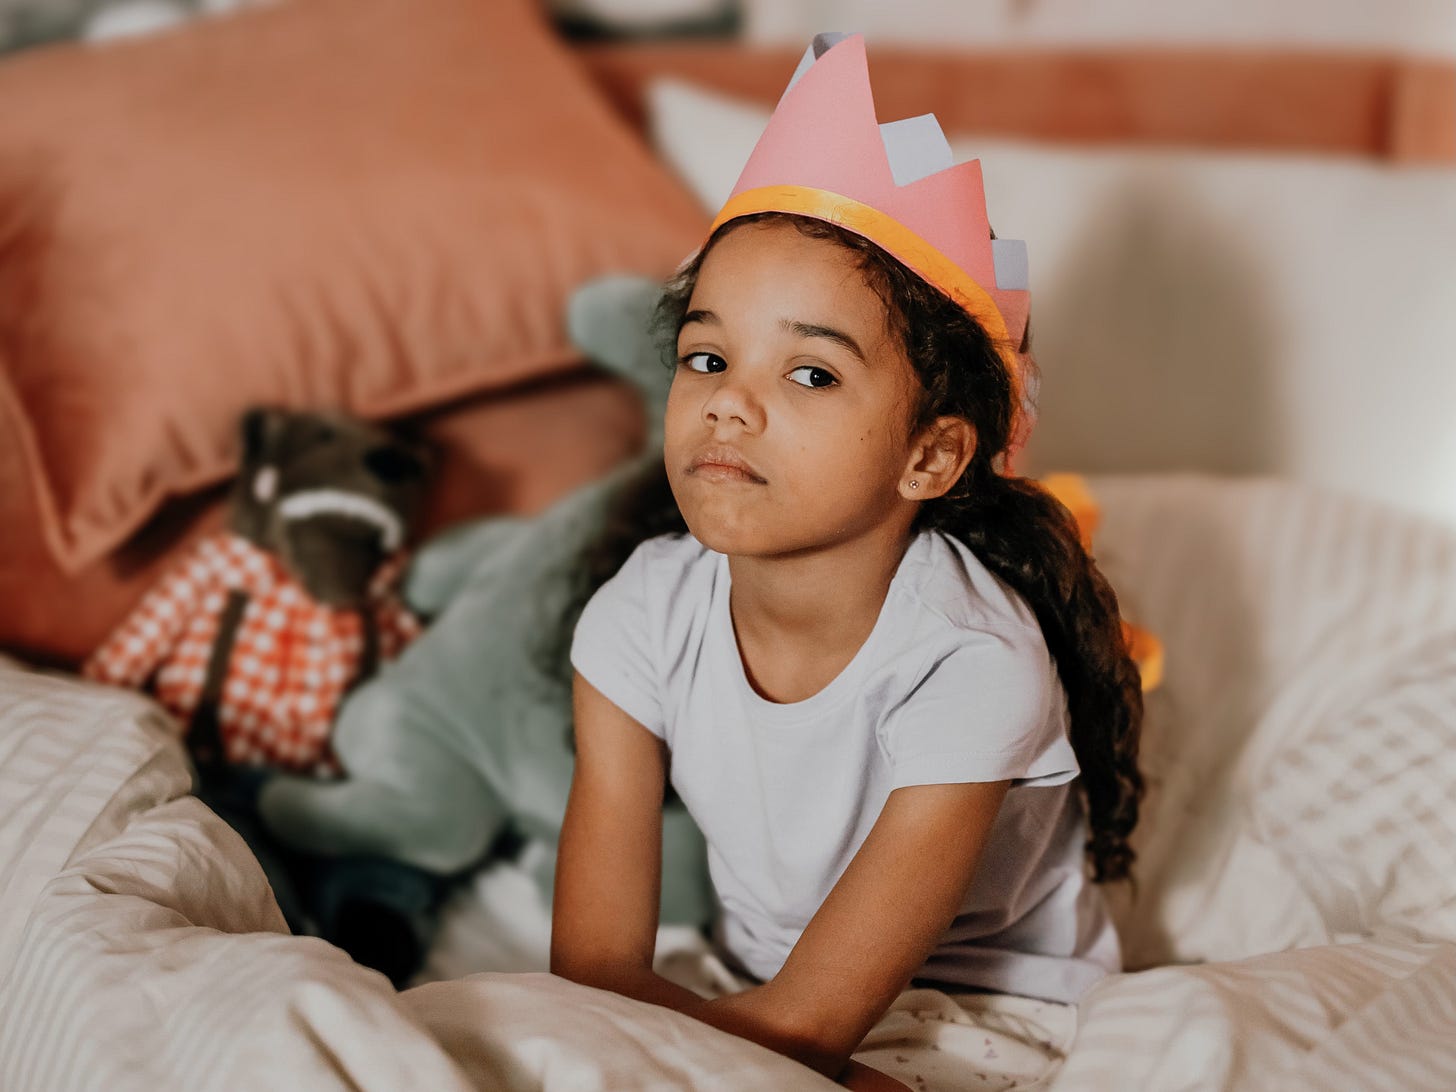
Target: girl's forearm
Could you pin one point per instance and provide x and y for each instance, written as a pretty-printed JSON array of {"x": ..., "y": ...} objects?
[
  {"x": 750, "y": 1014},
  {"x": 863, "y": 1078},
  {"x": 647, "y": 985},
  {"x": 758, "y": 1014},
  {"x": 744, "y": 1014}
]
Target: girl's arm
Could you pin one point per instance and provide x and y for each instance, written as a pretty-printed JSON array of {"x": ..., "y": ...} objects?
[
  {"x": 609, "y": 860},
  {"x": 879, "y": 922},
  {"x": 608, "y": 877},
  {"x": 607, "y": 888}
]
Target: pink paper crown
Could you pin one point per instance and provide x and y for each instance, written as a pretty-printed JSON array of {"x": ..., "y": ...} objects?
[{"x": 823, "y": 154}]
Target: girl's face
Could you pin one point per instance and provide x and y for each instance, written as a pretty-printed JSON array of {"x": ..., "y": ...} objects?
[{"x": 788, "y": 422}]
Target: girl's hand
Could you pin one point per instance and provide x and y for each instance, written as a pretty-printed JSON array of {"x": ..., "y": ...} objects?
[{"x": 863, "y": 1078}]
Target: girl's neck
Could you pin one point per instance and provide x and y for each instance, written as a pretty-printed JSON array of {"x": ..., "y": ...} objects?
[{"x": 819, "y": 605}]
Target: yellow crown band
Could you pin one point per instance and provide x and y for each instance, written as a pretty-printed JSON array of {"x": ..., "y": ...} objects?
[{"x": 889, "y": 234}]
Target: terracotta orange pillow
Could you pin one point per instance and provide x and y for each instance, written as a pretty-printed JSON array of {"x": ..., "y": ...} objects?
[
  {"x": 503, "y": 451},
  {"x": 372, "y": 204}
]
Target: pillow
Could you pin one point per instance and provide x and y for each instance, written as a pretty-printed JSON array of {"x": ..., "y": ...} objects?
[
  {"x": 1217, "y": 311},
  {"x": 1299, "y": 755},
  {"x": 501, "y": 451},
  {"x": 377, "y": 205},
  {"x": 1363, "y": 812}
]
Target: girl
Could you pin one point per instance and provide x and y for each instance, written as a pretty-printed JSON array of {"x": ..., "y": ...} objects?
[{"x": 870, "y": 661}]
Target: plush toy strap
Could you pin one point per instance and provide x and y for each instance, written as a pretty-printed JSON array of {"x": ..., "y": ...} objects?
[
  {"x": 206, "y": 734},
  {"x": 368, "y": 647}
]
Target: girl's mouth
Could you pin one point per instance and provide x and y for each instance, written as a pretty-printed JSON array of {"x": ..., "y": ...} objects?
[{"x": 723, "y": 464}]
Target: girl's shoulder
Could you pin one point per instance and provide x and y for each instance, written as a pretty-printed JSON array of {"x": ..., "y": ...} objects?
[
  {"x": 662, "y": 571},
  {"x": 945, "y": 577},
  {"x": 631, "y": 621},
  {"x": 669, "y": 554}
]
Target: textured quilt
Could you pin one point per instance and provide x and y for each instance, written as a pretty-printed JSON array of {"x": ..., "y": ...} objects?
[{"x": 140, "y": 947}]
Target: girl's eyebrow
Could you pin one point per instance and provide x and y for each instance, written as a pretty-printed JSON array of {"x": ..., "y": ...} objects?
[
  {"x": 839, "y": 337},
  {"x": 799, "y": 329}
]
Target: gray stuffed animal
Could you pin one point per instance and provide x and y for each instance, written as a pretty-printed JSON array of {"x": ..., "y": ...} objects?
[
  {"x": 467, "y": 735},
  {"x": 286, "y": 609}
]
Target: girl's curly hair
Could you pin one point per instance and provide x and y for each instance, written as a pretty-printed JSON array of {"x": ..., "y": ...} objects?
[{"x": 1015, "y": 527}]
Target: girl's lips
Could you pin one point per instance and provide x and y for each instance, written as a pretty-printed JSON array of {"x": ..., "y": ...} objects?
[
  {"x": 717, "y": 472},
  {"x": 723, "y": 465}
]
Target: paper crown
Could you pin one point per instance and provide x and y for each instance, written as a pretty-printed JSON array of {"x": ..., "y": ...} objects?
[{"x": 824, "y": 155}]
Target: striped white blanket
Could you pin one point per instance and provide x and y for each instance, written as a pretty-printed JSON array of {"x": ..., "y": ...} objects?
[{"x": 1303, "y": 806}]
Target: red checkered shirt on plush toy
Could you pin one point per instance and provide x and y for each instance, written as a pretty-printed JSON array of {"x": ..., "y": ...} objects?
[{"x": 291, "y": 662}]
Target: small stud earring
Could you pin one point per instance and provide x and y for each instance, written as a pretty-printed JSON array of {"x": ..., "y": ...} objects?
[{"x": 914, "y": 483}]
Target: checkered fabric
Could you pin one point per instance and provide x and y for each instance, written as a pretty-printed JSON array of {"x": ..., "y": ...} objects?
[{"x": 292, "y": 659}]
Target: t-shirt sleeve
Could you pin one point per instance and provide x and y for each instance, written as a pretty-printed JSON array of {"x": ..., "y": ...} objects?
[
  {"x": 990, "y": 709},
  {"x": 611, "y": 645}
]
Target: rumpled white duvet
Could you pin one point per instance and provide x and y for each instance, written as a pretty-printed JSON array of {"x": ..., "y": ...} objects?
[{"x": 140, "y": 947}]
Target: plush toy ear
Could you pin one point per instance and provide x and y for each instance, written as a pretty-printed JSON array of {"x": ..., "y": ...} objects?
[
  {"x": 261, "y": 429},
  {"x": 261, "y": 432},
  {"x": 397, "y": 464},
  {"x": 610, "y": 320}
]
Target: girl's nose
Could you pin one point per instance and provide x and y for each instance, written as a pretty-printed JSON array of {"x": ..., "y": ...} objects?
[{"x": 730, "y": 402}]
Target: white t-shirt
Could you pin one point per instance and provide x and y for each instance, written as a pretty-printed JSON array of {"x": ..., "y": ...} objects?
[{"x": 953, "y": 684}]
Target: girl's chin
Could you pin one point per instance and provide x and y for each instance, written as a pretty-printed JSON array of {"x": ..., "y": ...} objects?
[
  {"x": 729, "y": 537},
  {"x": 745, "y": 541},
  {"x": 724, "y": 540}
]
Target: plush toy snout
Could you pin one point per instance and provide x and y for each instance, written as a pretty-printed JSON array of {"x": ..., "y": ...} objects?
[{"x": 331, "y": 496}]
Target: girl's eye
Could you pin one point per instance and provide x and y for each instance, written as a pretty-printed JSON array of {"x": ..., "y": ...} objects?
[
  {"x": 703, "y": 362},
  {"x": 813, "y": 377}
]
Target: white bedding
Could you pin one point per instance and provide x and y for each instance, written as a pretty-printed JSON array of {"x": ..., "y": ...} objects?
[{"x": 140, "y": 947}]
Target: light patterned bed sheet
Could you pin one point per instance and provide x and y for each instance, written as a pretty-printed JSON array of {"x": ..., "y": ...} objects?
[{"x": 140, "y": 947}]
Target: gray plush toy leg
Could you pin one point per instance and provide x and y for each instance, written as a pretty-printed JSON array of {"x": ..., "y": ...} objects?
[{"x": 414, "y": 798}]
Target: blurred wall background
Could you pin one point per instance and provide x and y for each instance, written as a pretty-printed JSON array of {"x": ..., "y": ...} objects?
[
  {"x": 1230, "y": 305},
  {"x": 1420, "y": 26},
  {"x": 1222, "y": 309}
]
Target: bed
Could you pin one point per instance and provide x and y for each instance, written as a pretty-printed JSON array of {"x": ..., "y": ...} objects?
[{"x": 1295, "y": 924}]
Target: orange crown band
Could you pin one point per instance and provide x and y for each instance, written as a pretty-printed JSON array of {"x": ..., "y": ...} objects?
[{"x": 892, "y": 236}]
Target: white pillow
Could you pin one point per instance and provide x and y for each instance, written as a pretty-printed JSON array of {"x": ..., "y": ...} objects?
[
  {"x": 1301, "y": 754},
  {"x": 1204, "y": 310},
  {"x": 1363, "y": 811},
  {"x": 704, "y": 136}
]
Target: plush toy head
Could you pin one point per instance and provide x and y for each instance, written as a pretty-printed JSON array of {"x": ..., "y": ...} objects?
[{"x": 330, "y": 496}]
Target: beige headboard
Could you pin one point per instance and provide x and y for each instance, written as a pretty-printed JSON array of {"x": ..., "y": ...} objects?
[
  {"x": 1240, "y": 261},
  {"x": 1392, "y": 108}
]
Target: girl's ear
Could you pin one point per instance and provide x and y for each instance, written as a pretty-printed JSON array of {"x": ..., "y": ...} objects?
[{"x": 938, "y": 458}]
